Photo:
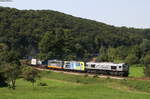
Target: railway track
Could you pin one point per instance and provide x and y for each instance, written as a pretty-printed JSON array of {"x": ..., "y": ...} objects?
[
  {"x": 81, "y": 73},
  {"x": 91, "y": 75}
]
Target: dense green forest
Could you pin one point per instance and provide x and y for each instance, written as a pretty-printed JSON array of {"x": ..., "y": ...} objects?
[{"x": 53, "y": 35}]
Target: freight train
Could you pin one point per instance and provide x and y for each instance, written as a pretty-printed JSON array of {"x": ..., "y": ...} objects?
[{"x": 106, "y": 68}]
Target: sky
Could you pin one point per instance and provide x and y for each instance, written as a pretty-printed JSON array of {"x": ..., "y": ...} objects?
[{"x": 129, "y": 13}]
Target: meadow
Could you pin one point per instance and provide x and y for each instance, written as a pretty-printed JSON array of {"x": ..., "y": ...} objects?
[
  {"x": 65, "y": 86},
  {"x": 136, "y": 71}
]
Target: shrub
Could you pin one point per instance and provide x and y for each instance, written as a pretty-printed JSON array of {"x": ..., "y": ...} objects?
[{"x": 42, "y": 84}]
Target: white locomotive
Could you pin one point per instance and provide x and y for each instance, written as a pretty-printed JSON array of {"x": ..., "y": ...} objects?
[{"x": 121, "y": 69}]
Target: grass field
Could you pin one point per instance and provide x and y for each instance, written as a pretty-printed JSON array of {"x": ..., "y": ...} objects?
[
  {"x": 64, "y": 86},
  {"x": 136, "y": 71}
]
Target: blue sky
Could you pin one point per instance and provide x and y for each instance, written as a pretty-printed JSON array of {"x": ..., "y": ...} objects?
[{"x": 130, "y": 13}]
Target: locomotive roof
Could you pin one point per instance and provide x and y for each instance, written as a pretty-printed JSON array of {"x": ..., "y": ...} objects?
[{"x": 105, "y": 63}]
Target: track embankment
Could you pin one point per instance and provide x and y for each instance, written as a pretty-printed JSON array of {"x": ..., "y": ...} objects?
[{"x": 89, "y": 74}]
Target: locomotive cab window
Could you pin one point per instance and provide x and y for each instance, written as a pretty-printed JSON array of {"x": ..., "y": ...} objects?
[
  {"x": 93, "y": 66},
  {"x": 119, "y": 66},
  {"x": 113, "y": 67},
  {"x": 67, "y": 65}
]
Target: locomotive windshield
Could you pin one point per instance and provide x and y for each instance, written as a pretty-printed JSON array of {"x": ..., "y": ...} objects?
[
  {"x": 125, "y": 67},
  {"x": 67, "y": 65}
]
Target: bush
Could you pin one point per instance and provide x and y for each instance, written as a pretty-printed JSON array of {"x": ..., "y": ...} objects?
[
  {"x": 42, "y": 84},
  {"x": 30, "y": 74}
]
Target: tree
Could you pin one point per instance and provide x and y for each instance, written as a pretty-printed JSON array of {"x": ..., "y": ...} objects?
[
  {"x": 145, "y": 46},
  {"x": 48, "y": 41},
  {"x": 131, "y": 59},
  {"x": 136, "y": 50},
  {"x": 112, "y": 54},
  {"x": 52, "y": 45},
  {"x": 3, "y": 79},
  {"x": 11, "y": 72},
  {"x": 30, "y": 74},
  {"x": 9, "y": 66},
  {"x": 122, "y": 52},
  {"x": 3, "y": 47},
  {"x": 9, "y": 56},
  {"x": 103, "y": 56},
  {"x": 146, "y": 61}
]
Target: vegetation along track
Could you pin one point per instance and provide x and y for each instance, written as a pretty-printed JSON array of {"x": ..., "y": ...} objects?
[{"x": 92, "y": 75}]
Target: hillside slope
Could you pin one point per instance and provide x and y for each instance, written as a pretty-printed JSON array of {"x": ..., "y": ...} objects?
[{"x": 58, "y": 35}]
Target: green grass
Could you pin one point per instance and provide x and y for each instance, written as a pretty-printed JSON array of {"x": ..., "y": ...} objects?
[
  {"x": 139, "y": 85},
  {"x": 64, "y": 86},
  {"x": 136, "y": 71}
]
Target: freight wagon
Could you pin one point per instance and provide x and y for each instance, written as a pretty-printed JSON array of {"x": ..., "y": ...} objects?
[{"x": 55, "y": 64}]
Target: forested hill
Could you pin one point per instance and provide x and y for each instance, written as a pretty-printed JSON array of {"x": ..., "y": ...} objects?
[{"x": 54, "y": 35}]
